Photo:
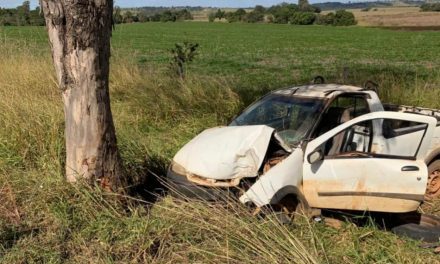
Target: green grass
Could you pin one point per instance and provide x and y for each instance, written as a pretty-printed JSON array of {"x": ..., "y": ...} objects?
[
  {"x": 260, "y": 57},
  {"x": 45, "y": 220}
]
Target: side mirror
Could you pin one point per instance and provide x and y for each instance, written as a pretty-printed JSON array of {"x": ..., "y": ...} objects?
[{"x": 315, "y": 156}]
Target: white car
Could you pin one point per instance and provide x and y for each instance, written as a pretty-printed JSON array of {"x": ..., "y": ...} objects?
[{"x": 321, "y": 146}]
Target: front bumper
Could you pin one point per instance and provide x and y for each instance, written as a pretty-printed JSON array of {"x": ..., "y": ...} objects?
[{"x": 180, "y": 186}]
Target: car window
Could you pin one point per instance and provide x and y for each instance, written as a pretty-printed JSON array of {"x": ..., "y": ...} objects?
[
  {"x": 360, "y": 140},
  {"x": 292, "y": 117},
  {"x": 342, "y": 109},
  {"x": 357, "y": 105}
]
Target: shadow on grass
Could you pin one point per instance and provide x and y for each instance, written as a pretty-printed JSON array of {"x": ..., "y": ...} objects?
[
  {"x": 148, "y": 179},
  {"x": 414, "y": 225}
]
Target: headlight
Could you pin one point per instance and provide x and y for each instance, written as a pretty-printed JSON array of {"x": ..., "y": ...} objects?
[{"x": 178, "y": 169}]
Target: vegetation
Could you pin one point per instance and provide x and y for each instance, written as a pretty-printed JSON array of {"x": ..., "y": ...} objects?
[
  {"x": 21, "y": 16},
  {"x": 45, "y": 220},
  {"x": 181, "y": 55},
  {"x": 301, "y": 14},
  {"x": 427, "y": 7},
  {"x": 340, "y": 18},
  {"x": 144, "y": 15}
]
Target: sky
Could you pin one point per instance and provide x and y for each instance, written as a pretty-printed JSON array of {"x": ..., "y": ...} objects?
[{"x": 205, "y": 3}]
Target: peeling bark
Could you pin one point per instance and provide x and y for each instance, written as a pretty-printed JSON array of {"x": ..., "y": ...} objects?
[{"x": 79, "y": 34}]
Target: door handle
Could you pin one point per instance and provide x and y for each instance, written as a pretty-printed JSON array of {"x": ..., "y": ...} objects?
[{"x": 410, "y": 168}]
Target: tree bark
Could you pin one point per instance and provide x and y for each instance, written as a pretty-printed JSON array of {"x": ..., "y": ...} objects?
[{"x": 79, "y": 34}]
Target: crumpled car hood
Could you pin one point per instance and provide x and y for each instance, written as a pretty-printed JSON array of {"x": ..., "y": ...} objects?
[{"x": 224, "y": 153}]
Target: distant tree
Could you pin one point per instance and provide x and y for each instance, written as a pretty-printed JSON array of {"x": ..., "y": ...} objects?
[
  {"x": 281, "y": 13},
  {"x": 184, "y": 14},
  {"x": 340, "y": 18},
  {"x": 303, "y": 4},
  {"x": 260, "y": 9},
  {"x": 344, "y": 18},
  {"x": 156, "y": 17},
  {"x": 211, "y": 17},
  {"x": 254, "y": 17},
  {"x": 302, "y": 18},
  {"x": 168, "y": 16},
  {"x": 127, "y": 17},
  {"x": 231, "y": 17},
  {"x": 220, "y": 14},
  {"x": 240, "y": 13},
  {"x": 23, "y": 14},
  {"x": 311, "y": 8},
  {"x": 143, "y": 16},
  {"x": 117, "y": 17},
  {"x": 237, "y": 16},
  {"x": 426, "y": 7},
  {"x": 37, "y": 18},
  {"x": 270, "y": 18},
  {"x": 328, "y": 19}
]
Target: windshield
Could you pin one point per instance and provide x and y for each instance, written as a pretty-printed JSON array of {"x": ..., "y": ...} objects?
[{"x": 292, "y": 117}]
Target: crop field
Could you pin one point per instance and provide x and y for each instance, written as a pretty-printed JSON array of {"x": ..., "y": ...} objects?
[
  {"x": 398, "y": 16},
  {"x": 45, "y": 220}
]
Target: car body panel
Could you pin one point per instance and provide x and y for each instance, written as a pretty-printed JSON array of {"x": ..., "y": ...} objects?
[
  {"x": 369, "y": 183},
  {"x": 286, "y": 173},
  {"x": 225, "y": 153}
]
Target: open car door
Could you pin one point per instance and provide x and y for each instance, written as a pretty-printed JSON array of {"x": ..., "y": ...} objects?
[{"x": 374, "y": 162}]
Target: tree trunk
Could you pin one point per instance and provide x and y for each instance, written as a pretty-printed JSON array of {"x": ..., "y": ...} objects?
[{"x": 79, "y": 34}]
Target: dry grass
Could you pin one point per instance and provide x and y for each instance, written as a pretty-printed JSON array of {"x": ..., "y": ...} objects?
[
  {"x": 397, "y": 17},
  {"x": 44, "y": 220}
]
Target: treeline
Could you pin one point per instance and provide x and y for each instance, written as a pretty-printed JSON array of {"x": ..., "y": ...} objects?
[
  {"x": 301, "y": 14},
  {"x": 21, "y": 16},
  {"x": 426, "y": 7},
  {"x": 151, "y": 10},
  {"x": 146, "y": 15}
]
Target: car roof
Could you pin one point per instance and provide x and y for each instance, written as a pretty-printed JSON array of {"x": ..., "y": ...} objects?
[{"x": 318, "y": 90}]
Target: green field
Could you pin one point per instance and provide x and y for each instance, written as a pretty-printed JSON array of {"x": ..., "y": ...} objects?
[
  {"x": 45, "y": 220},
  {"x": 265, "y": 56}
]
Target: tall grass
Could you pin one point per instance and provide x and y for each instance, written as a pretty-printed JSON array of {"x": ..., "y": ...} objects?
[{"x": 45, "y": 220}]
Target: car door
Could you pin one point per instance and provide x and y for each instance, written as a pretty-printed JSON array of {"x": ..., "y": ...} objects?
[{"x": 354, "y": 167}]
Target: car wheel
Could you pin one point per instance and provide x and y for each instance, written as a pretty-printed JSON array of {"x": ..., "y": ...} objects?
[
  {"x": 419, "y": 226},
  {"x": 291, "y": 208},
  {"x": 433, "y": 187}
]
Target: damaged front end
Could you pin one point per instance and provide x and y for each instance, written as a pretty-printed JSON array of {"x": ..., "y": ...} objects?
[{"x": 225, "y": 160}]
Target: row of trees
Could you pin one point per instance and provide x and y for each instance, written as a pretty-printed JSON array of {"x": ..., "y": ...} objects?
[
  {"x": 240, "y": 15},
  {"x": 427, "y": 7},
  {"x": 128, "y": 16},
  {"x": 21, "y": 16},
  {"x": 301, "y": 14}
]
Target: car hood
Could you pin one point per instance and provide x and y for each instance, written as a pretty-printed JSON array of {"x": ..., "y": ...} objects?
[{"x": 224, "y": 153}]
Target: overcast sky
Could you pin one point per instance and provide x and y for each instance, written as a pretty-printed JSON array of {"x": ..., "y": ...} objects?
[{"x": 218, "y": 3}]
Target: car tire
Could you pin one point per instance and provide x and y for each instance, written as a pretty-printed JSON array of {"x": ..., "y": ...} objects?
[
  {"x": 290, "y": 208},
  {"x": 417, "y": 232},
  {"x": 419, "y": 227}
]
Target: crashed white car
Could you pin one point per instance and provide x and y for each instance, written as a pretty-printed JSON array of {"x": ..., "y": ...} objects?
[{"x": 321, "y": 145}]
